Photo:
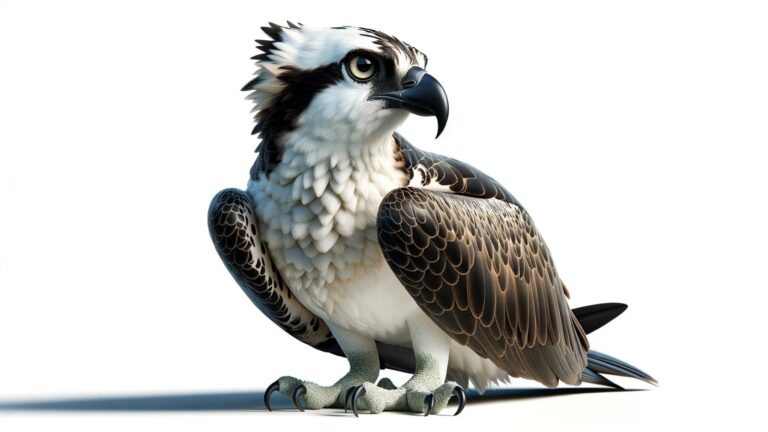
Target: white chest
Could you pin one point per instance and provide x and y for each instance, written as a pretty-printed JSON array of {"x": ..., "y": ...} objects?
[{"x": 318, "y": 215}]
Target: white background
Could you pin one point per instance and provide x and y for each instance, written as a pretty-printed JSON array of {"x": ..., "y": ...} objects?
[{"x": 635, "y": 134}]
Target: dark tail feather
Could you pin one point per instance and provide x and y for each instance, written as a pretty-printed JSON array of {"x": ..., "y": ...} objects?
[
  {"x": 595, "y": 316},
  {"x": 592, "y": 318},
  {"x": 599, "y": 363},
  {"x": 588, "y": 375}
]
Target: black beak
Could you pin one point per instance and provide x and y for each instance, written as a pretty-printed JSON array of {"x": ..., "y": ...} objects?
[{"x": 420, "y": 94}]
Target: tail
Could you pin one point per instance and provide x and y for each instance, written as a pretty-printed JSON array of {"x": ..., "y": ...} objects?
[{"x": 592, "y": 318}]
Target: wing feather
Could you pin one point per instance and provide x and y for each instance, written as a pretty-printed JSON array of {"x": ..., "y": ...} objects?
[{"x": 498, "y": 291}]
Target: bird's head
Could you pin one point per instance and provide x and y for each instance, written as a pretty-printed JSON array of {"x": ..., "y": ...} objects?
[{"x": 348, "y": 82}]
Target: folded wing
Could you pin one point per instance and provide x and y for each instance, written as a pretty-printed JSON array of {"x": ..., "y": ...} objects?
[{"x": 479, "y": 268}]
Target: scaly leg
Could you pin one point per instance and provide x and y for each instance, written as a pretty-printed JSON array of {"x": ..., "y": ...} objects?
[
  {"x": 426, "y": 392},
  {"x": 363, "y": 367}
]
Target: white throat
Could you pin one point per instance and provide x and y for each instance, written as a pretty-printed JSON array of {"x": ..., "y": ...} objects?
[{"x": 318, "y": 211}]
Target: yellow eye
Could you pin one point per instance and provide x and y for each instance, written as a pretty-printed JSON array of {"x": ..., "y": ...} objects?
[{"x": 361, "y": 68}]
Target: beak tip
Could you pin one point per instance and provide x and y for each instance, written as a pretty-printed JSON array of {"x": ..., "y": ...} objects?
[
  {"x": 442, "y": 121},
  {"x": 440, "y": 129}
]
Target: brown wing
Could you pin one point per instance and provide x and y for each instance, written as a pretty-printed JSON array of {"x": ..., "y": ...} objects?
[{"x": 481, "y": 271}]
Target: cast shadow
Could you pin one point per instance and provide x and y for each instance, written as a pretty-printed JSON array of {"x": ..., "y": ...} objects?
[
  {"x": 245, "y": 401},
  {"x": 504, "y": 394}
]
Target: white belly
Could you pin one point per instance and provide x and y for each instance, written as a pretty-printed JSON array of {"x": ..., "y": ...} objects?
[{"x": 373, "y": 303}]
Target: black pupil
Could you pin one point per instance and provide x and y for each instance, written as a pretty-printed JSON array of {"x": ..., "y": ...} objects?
[{"x": 363, "y": 64}]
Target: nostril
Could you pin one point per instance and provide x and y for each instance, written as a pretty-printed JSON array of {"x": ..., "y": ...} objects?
[{"x": 412, "y": 77}]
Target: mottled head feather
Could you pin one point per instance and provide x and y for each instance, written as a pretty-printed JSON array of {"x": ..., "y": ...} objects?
[
  {"x": 296, "y": 62},
  {"x": 392, "y": 45}
]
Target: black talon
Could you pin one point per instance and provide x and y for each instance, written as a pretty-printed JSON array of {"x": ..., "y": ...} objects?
[
  {"x": 297, "y": 393},
  {"x": 459, "y": 393},
  {"x": 429, "y": 401},
  {"x": 348, "y": 397},
  {"x": 359, "y": 392},
  {"x": 267, "y": 394}
]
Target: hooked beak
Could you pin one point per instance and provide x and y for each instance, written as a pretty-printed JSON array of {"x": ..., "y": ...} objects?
[{"x": 420, "y": 94}]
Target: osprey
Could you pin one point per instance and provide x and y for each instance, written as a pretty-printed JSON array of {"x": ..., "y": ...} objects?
[{"x": 359, "y": 244}]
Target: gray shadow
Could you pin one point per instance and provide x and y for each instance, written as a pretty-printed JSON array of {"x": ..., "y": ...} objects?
[
  {"x": 504, "y": 394},
  {"x": 246, "y": 401},
  {"x": 231, "y": 401}
]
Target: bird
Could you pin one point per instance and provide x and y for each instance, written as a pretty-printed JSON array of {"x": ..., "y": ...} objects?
[{"x": 359, "y": 244}]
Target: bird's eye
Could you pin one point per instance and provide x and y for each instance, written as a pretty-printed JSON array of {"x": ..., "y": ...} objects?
[{"x": 361, "y": 68}]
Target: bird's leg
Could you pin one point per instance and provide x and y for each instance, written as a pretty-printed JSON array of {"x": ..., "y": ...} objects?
[
  {"x": 426, "y": 392},
  {"x": 363, "y": 367}
]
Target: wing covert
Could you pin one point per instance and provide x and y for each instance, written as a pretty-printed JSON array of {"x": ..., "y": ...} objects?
[
  {"x": 480, "y": 270},
  {"x": 452, "y": 174}
]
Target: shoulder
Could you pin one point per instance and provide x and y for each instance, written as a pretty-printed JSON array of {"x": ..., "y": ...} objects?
[{"x": 445, "y": 174}]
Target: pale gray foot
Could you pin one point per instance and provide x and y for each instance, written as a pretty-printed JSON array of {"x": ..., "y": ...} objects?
[
  {"x": 424, "y": 393},
  {"x": 306, "y": 394},
  {"x": 363, "y": 367},
  {"x": 377, "y": 399}
]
